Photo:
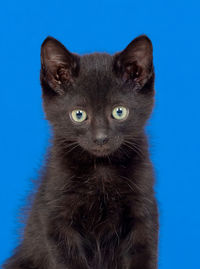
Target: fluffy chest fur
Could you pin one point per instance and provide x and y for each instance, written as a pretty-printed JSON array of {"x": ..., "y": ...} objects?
[
  {"x": 96, "y": 200},
  {"x": 103, "y": 202},
  {"x": 97, "y": 212}
]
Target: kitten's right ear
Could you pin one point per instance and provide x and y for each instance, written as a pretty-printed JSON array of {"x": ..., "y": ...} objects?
[{"x": 58, "y": 66}]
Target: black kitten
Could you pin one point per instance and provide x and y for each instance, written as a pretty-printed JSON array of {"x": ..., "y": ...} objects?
[{"x": 95, "y": 207}]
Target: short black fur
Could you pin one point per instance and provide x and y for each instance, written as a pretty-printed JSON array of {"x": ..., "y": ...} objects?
[{"x": 95, "y": 207}]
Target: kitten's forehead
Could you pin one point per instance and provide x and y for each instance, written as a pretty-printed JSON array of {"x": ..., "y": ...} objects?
[
  {"x": 96, "y": 62},
  {"x": 97, "y": 85},
  {"x": 96, "y": 77}
]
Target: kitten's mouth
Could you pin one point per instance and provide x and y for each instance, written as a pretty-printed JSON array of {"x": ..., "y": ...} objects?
[{"x": 101, "y": 151}]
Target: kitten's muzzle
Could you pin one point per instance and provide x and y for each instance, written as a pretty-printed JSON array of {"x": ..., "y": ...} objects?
[{"x": 101, "y": 139}]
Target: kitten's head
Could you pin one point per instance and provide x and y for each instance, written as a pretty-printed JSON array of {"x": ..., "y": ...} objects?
[{"x": 97, "y": 102}]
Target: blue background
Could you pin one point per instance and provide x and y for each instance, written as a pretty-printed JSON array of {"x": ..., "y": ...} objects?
[{"x": 88, "y": 26}]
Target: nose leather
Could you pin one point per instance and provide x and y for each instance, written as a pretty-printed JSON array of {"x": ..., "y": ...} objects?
[{"x": 101, "y": 139}]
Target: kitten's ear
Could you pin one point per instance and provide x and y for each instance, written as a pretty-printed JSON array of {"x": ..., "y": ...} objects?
[
  {"x": 135, "y": 62},
  {"x": 58, "y": 65}
]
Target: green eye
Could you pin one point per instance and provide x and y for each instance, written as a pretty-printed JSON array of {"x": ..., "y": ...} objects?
[
  {"x": 78, "y": 115},
  {"x": 120, "y": 113}
]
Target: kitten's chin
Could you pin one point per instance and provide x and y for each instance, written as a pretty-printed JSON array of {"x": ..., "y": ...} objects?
[{"x": 100, "y": 152}]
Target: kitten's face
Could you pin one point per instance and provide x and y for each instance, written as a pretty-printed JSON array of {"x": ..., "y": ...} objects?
[{"x": 97, "y": 102}]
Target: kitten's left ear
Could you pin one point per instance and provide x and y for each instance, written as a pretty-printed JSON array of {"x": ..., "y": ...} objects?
[
  {"x": 135, "y": 62},
  {"x": 58, "y": 65}
]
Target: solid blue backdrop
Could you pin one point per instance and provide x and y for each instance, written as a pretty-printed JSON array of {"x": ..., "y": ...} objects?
[{"x": 88, "y": 26}]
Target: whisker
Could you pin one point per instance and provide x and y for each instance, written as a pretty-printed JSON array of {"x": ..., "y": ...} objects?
[
  {"x": 135, "y": 147},
  {"x": 77, "y": 145},
  {"x": 69, "y": 145}
]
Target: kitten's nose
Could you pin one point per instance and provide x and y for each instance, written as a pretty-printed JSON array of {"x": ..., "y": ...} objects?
[{"x": 101, "y": 139}]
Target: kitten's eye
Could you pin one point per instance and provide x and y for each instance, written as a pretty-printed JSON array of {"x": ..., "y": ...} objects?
[
  {"x": 79, "y": 115},
  {"x": 120, "y": 113}
]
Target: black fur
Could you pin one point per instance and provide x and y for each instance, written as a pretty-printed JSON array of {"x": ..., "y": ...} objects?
[{"x": 95, "y": 207}]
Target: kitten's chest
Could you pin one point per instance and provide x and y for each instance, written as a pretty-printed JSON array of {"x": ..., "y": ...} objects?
[
  {"x": 101, "y": 203},
  {"x": 97, "y": 209},
  {"x": 100, "y": 209}
]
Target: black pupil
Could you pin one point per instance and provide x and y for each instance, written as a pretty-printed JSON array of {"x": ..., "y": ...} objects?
[
  {"x": 119, "y": 112},
  {"x": 79, "y": 114}
]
